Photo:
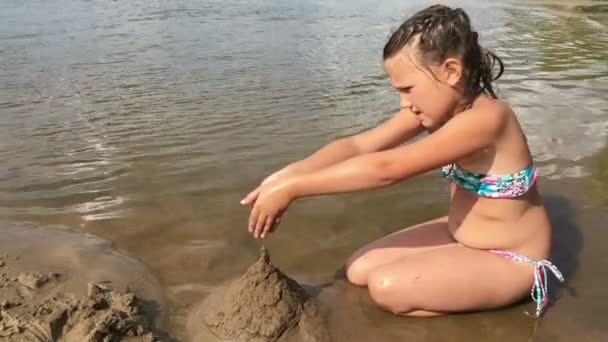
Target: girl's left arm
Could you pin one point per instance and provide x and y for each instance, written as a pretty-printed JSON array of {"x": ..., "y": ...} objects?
[{"x": 462, "y": 135}]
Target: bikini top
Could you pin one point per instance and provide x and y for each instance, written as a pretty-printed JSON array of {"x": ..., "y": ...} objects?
[{"x": 494, "y": 186}]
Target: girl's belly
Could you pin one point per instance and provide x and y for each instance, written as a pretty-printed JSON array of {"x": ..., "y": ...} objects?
[{"x": 519, "y": 225}]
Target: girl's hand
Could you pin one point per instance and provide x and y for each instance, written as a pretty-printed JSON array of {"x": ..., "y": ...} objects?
[
  {"x": 282, "y": 174},
  {"x": 272, "y": 200}
]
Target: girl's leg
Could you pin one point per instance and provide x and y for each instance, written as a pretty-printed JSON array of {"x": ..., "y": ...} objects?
[
  {"x": 422, "y": 237},
  {"x": 448, "y": 280}
]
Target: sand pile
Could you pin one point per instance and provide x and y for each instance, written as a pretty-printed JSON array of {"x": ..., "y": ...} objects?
[
  {"x": 71, "y": 287},
  {"x": 31, "y": 311},
  {"x": 263, "y": 305}
]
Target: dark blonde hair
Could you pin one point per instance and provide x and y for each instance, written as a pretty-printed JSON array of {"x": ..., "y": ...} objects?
[{"x": 444, "y": 32}]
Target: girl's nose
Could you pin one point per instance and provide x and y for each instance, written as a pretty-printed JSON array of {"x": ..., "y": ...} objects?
[{"x": 406, "y": 104}]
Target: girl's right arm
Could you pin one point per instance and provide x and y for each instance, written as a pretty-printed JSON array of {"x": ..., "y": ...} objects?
[{"x": 393, "y": 132}]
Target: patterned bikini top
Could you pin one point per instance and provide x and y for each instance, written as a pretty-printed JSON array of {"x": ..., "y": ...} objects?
[{"x": 494, "y": 186}]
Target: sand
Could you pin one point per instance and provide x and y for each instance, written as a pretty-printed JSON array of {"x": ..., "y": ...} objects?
[
  {"x": 64, "y": 286},
  {"x": 263, "y": 305},
  {"x": 61, "y": 286}
]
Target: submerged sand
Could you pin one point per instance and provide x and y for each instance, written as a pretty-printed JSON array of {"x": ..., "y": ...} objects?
[{"x": 61, "y": 286}]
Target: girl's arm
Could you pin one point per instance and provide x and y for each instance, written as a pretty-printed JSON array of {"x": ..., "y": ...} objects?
[
  {"x": 395, "y": 131},
  {"x": 400, "y": 128},
  {"x": 462, "y": 135}
]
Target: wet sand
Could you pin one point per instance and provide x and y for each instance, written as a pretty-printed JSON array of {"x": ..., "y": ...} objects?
[{"x": 578, "y": 220}]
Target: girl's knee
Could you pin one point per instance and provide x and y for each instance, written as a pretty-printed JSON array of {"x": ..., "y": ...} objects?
[
  {"x": 387, "y": 294},
  {"x": 357, "y": 271}
]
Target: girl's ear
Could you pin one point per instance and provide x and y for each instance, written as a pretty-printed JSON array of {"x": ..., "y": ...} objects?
[{"x": 452, "y": 71}]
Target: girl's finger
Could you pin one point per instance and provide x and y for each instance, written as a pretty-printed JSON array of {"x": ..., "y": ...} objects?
[
  {"x": 251, "y": 197},
  {"x": 253, "y": 218},
  {"x": 259, "y": 225},
  {"x": 267, "y": 226}
]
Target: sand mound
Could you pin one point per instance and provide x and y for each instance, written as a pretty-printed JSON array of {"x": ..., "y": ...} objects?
[
  {"x": 263, "y": 305},
  {"x": 102, "y": 315},
  {"x": 27, "y": 314},
  {"x": 44, "y": 294}
]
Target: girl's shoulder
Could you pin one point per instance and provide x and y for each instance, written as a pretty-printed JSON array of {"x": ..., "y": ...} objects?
[
  {"x": 497, "y": 111},
  {"x": 486, "y": 113},
  {"x": 487, "y": 104},
  {"x": 509, "y": 143}
]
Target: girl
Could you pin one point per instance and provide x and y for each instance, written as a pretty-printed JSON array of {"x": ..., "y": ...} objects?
[{"x": 492, "y": 246}]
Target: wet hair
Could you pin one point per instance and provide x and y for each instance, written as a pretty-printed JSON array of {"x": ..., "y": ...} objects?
[{"x": 442, "y": 32}]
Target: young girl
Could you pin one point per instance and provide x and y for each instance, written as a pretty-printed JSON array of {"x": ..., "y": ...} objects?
[{"x": 492, "y": 246}]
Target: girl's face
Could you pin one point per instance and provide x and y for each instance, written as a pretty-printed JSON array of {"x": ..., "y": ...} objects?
[{"x": 433, "y": 96}]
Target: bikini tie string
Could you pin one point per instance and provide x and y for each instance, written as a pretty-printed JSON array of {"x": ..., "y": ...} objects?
[{"x": 540, "y": 291}]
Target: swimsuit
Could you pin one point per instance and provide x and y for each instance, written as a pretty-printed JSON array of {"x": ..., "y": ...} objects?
[
  {"x": 497, "y": 186},
  {"x": 508, "y": 186}
]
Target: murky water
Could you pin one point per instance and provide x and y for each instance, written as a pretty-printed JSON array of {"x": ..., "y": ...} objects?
[{"x": 145, "y": 122}]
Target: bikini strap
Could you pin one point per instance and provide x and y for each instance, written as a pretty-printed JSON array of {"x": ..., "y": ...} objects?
[
  {"x": 539, "y": 292},
  {"x": 540, "y": 289}
]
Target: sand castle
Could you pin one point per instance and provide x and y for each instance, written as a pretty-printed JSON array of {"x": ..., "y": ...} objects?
[{"x": 263, "y": 305}]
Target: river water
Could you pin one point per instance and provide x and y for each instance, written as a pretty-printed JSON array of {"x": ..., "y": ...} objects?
[{"x": 145, "y": 122}]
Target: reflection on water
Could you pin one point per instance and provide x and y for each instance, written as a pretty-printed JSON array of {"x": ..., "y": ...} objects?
[{"x": 145, "y": 122}]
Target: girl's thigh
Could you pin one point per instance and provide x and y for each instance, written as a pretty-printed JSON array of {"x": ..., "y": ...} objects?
[
  {"x": 422, "y": 237},
  {"x": 451, "y": 279}
]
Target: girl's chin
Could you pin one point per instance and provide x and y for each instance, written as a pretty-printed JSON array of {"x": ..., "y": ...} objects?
[{"x": 429, "y": 126}]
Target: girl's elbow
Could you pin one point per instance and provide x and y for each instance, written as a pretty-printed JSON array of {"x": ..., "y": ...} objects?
[{"x": 390, "y": 173}]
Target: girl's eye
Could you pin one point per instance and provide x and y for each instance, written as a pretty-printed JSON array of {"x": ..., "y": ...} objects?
[{"x": 405, "y": 89}]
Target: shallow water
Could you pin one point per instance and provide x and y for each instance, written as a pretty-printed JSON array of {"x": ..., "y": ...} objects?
[{"x": 146, "y": 122}]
